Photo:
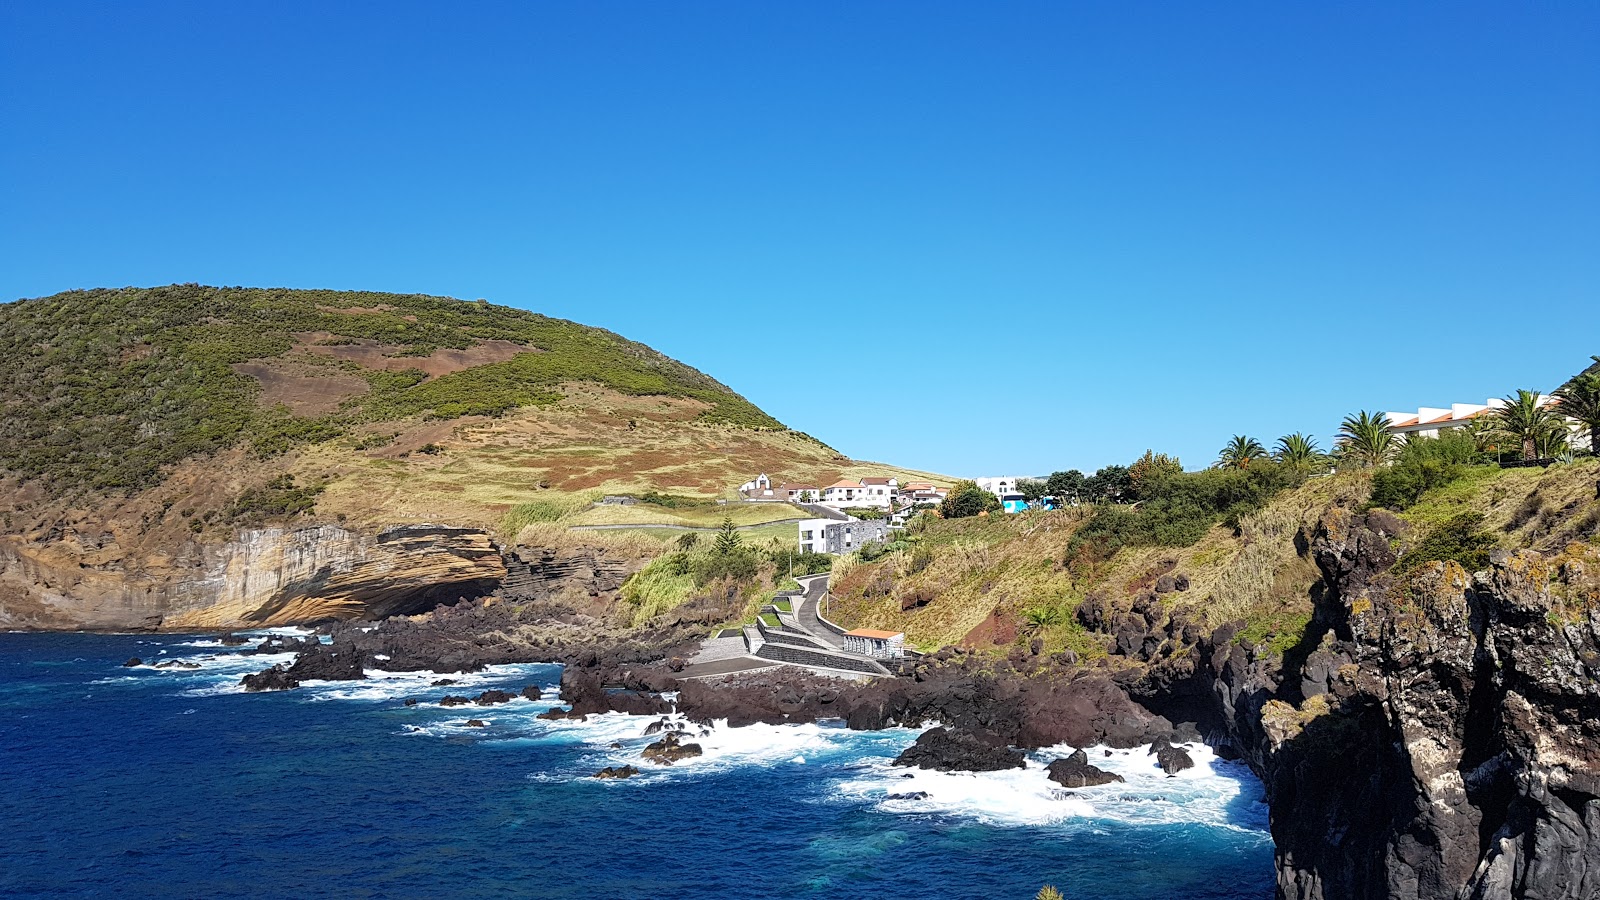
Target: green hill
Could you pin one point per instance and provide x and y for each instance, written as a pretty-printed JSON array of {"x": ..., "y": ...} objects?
[{"x": 109, "y": 388}]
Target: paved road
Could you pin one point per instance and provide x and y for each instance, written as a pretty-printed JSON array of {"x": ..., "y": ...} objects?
[
  {"x": 805, "y": 611},
  {"x": 680, "y": 527}
]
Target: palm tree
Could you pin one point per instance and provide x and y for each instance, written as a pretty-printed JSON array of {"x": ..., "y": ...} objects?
[
  {"x": 1485, "y": 433},
  {"x": 1239, "y": 452},
  {"x": 1524, "y": 418},
  {"x": 1580, "y": 399},
  {"x": 1297, "y": 450},
  {"x": 1365, "y": 439}
]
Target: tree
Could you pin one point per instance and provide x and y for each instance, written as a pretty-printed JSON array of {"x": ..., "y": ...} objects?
[
  {"x": 1485, "y": 434},
  {"x": 1067, "y": 486},
  {"x": 1240, "y": 452},
  {"x": 1151, "y": 468},
  {"x": 687, "y": 541},
  {"x": 1298, "y": 450},
  {"x": 1580, "y": 400},
  {"x": 1365, "y": 440},
  {"x": 1111, "y": 484},
  {"x": 1525, "y": 420},
  {"x": 967, "y": 499},
  {"x": 1032, "y": 488},
  {"x": 727, "y": 542},
  {"x": 806, "y": 497}
]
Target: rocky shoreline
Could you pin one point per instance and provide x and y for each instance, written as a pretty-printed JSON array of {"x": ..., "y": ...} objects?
[{"x": 1435, "y": 739}]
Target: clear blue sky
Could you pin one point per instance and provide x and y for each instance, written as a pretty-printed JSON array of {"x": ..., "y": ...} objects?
[{"x": 1060, "y": 233}]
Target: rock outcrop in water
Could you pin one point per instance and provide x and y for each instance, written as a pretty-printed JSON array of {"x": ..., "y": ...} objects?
[
  {"x": 1075, "y": 772},
  {"x": 944, "y": 750}
]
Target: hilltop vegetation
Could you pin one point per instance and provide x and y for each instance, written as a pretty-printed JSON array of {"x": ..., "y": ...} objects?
[
  {"x": 108, "y": 389},
  {"x": 1229, "y": 543}
]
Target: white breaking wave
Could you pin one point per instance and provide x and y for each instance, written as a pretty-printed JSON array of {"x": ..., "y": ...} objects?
[
  {"x": 381, "y": 685},
  {"x": 1213, "y": 793},
  {"x": 857, "y": 764}
]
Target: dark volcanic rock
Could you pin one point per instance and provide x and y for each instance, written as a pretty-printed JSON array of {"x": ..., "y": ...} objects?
[
  {"x": 1436, "y": 736},
  {"x": 133, "y": 661},
  {"x": 1075, "y": 772},
  {"x": 617, "y": 772},
  {"x": 475, "y": 723},
  {"x": 443, "y": 682},
  {"x": 669, "y": 750},
  {"x": 490, "y": 698},
  {"x": 277, "y": 643},
  {"x": 1174, "y": 760},
  {"x": 453, "y": 700},
  {"x": 532, "y": 692},
  {"x": 324, "y": 663},
  {"x": 276, "y": 678},
  {"x": 961, "y": 751},
  {"x": 231, "y": 640},
  {"x": 912, "y": 795},
  {"x": 411, "y": 701}
]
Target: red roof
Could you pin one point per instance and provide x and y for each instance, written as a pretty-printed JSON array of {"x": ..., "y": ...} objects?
[
  {"x": 874, "y": 634},
  {"x": 1444, "y": 418},
  {"x": 1403, "y": 422},
  {"x": 876, "y": 480},
  {"x": 845, "y": 484}
]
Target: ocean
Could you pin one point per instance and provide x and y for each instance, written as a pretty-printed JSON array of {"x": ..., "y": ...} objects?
[{"x": 174, "y": 783}]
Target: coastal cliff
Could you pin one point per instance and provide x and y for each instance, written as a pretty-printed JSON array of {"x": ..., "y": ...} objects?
[
  {"x": 1435, "y": 734},
  {"x": 264, "y": 577}
]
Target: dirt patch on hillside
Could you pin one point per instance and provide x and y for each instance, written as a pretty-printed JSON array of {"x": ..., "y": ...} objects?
[
  {"x": 362, "y": 310},
  {"x": 306, "y": 390},
  {"x": 373, "y": 355}
]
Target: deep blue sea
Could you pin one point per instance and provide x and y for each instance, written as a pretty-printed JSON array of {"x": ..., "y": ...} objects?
[{"x": 150, "y": 782}]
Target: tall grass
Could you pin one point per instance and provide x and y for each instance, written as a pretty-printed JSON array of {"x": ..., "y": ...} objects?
[{"x": 549, "y": 508}]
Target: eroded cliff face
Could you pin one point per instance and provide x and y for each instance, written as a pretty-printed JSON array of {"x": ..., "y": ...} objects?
[
  {"x": 264, "y": 577},
  {"x": 1435, "y": 735}
]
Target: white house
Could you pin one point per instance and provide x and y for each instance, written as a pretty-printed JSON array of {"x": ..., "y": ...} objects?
[
  {"x": 879, "y": 493},
  {"x": 999, "y": 485},
  {"x": 814, "y": 535},
  {"x": 799, "y": 493},
  {"x": 919, "y": 493},
  {"x": 875, "y": 643},
  {"x": 1430, "y": 421},
  {"x": 759, "y": 489}
]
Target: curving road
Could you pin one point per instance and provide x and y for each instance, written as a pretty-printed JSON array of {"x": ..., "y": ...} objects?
[{"x": 805, "y": 611}]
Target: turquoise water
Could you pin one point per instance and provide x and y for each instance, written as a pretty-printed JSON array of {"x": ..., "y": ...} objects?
[{"x": 172, "y": 783}]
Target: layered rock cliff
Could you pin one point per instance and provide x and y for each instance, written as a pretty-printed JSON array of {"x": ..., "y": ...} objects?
[
  {"x": 1434, "y": 736},
  {"x": 264, "y": 577}
]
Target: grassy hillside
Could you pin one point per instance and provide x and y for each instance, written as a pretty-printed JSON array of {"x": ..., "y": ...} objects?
[
  {"x": 107, "y": 388},
  {"x": 1000, "y": 581},
  {"x": 167, "y": 414}
]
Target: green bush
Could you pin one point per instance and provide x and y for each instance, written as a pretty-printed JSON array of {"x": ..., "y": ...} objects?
[
  {"x": 1180, "y": 508},
  {"x": 1422, "y": 465},
  {"x": 1460, "y": 538},
  {"x": 738, "y": 565},
  {"x": 966, "y": 499},
  {"x": 804, "y": 563},
  {"x": 280, "y": 498}
]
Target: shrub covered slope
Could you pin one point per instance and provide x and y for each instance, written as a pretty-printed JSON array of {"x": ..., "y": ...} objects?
[{"x": 108, "y": 388}]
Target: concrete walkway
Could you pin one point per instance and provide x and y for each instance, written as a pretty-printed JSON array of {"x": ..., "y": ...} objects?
[
  {"x": 807, "y": 610},
  {"x": 803, "y": 641}
]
